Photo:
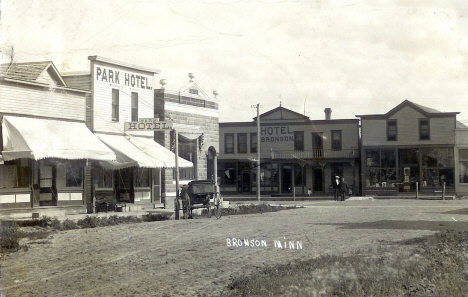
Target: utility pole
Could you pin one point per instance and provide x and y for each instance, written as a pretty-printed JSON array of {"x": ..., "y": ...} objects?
[{"x": 258, "y": 149}]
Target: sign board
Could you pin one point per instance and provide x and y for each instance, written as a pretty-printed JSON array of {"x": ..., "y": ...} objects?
[{"x": 148, "y": 124}]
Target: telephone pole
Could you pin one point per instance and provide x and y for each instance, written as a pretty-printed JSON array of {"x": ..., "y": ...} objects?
[{"x": 258, "y": 149}]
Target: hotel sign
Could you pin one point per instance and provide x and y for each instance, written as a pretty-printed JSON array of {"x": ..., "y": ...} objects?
[{"x": 148, "y": 124}]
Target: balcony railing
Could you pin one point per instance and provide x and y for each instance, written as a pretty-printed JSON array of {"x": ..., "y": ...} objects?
[{"x": 315, "y": 154}]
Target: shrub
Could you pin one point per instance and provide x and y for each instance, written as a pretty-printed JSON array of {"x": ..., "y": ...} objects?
[
  {"x": 89, "y": 222},
  {"x": 69, "y": 225},
  {"x": 10, "y": 236}
]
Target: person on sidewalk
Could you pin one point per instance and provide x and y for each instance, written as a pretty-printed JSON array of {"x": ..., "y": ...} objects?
[
  {"x": 343, "y": 189},
  {"x": 336, "y": 188}
]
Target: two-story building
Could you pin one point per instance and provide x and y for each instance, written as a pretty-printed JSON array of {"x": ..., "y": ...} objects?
[
  {"x": 409, "y": 145},
  {"x": 296, "y": 153},
  {"x": 195, "y": 117},
  {"x": 121, "y": 101},
  {"x": 45, "y": 144}
]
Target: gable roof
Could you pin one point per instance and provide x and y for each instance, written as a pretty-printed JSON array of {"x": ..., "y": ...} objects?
[
  {"x": 30, "y": 72},
  {"x": 282, "y": 110},
  {"x": 193, "y": 86},
  {"x": 426, "y": 111}
]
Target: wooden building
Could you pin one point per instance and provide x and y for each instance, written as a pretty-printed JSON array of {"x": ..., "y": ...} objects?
[
  {"x": 45, "y": 144},
  {"x": 297, "y": 154},
  {"x": 409, "y": 145},
  {"x": 121, "y": 94}
]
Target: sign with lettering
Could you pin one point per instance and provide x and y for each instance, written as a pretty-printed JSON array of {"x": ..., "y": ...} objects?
[
  {"x": 148, "y": 125},
  {"x": 276, "y": 134},
  {"x": 119, "y": 77}
]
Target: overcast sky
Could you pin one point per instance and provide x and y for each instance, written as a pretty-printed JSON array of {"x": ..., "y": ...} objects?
[{"x": 357, "y": 57}]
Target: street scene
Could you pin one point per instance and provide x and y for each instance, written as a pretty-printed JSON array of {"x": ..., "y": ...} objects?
[{"x": 233, "y": 148}]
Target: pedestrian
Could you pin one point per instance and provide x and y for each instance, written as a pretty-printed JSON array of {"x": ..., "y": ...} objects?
[
  {"x": 343, "y": 189},
  {"x": 309, "y": 192},
  {"x": 336, "y": 188}
]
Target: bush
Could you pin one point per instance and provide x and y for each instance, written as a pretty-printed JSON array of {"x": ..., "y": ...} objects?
[
  {"x": 69, "y": 225},
  {"x": 10, "y": 236},
  {"x": 89, "y": 222}
]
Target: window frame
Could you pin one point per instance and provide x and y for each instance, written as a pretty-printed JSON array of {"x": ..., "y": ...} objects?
[
  {"x": 230, "y": 149},
  {"x": 334, "y": 143},
  {"x": 392, "y": 123},
  {"x": 115, "y": 105},
  {"x": 428, "y": 137},
  {"x": 253, "y": 143},
  {"x": 241, "y": 143},
  {"x": 134, "y": 107},
  {"x": 299, "y": 141}
]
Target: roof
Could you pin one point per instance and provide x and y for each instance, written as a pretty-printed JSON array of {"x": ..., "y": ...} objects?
[
  {"x": 30, "y": 71},
  {"x": 427, "y": 111},
  {"x": 280, "y": 109}
]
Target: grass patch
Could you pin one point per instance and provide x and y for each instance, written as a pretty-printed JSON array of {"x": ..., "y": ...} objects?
[
  {"x": 254, "y": 208},
  {"x": 437, "y": 266}
]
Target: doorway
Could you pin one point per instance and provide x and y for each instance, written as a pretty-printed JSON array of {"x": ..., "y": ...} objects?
[
  {"x": 318, "y": 179},
  {"x": 286, "y": 179},
  {"x": 246, "y": 182}
]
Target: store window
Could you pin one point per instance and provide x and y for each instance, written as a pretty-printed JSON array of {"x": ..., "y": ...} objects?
[
  {"x": 253, "y": 142},
  {"x": 229, "y": 143},
  {"x": 381, "y": 168},
  {"x": 463, "y": 166},
  {"x": 437, "y": 167},
  {"x": 392, "y": 132},
  {"x": 229, "y": 172},
  {"x": 115, "y": 105},
  {"x": 242, "y": 143},
  {"x": 424, "y": 133},
  {"x": 142, "y": 178},
  {"x": 299, "y": 140},
  {"x": 74, "y": 175},
  {"x": 103, "y": 178},
  {"x": 15, "y": 174},
  {"x": 336, "y": 140},
  {"x": 134, "y": 107},
  {"x": 188, "y": 151}
]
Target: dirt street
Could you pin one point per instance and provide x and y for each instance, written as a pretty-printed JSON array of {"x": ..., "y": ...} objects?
[{"x": 192, "y": 257}]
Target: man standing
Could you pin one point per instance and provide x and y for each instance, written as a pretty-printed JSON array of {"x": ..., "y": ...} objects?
[
  {"x": 343, "y": 189},
  {"x": 336, "y": 188}
]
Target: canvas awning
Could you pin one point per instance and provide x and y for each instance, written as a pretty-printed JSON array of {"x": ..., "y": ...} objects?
[
  {"x": 139, "y": 151},
  {"x": 34, "y": 138},
  {"x": 188, "y": 132}
]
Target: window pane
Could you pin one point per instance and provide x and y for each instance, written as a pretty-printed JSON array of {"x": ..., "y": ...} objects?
[
  {"x": 134, "y": 107},
  {"x": 463, "y": 172},
  {"x": 229, "y": 143},
  {"x": 115, "y": 104},
  {"x": 336, "y": 140},
  {"x": 392, "y": 130},
  {"x": 74, "y": 176},
  {"x": 299, "y": 140},
  {"x": 424, "y": 129},
  {"x": 242, "y": 143},
  {"x": 372, "y": 158},
  {"x": 388, "y": 159},
  {"x": 253, "y": 142}
]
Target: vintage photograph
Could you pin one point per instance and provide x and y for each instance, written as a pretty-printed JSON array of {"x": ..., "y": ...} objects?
[{"x": 233, "y": 148}]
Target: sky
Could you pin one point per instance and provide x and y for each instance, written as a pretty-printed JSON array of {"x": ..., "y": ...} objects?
[{"x": 355, "y": 57}]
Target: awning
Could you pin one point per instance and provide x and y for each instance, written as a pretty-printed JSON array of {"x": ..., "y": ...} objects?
[
  {"x": 188, "y": 132},
  {"x": 139, "y": 151},
  {"x": 37, "y": 139}
]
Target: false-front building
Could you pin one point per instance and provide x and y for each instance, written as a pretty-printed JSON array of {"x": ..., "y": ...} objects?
[{"x": 297, "y": 155}]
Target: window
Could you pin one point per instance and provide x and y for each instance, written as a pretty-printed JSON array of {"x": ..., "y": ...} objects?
[
  {"x": 187, "y": 151},
  {"x": 229, "y": 143},
  {"x": 253, "y": 142},
  {"x": 74, "y": 175},
  {"x": 115, "y": 105},
  {"x": 15, "y": 174},
  {"x": 228, "y": 176},
  {"x": 298, "y": 140},
  {"x": 424, "y": 133},
  {"x": 242, "y": 143},
  {"x": 134, "y": 107},
  {"x": 392, "y": 131},
  {"x": 317, "y": 144},
  {"x": 463, "y": 168},
  {"x": 336, "y": 140},
  {"x": 103, "y": 178},
  {"x": 142, "y": 178}
]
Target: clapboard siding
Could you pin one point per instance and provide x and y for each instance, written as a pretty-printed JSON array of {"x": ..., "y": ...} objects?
[
  {"x": 44, "y": 102},
  {"x": 102, "y": 107},
  {"x": 82, "y": 82},
  {"x": 442, "y": 129}
]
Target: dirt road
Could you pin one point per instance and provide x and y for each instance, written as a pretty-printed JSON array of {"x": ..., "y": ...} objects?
[{"x": 192, "y": 257}]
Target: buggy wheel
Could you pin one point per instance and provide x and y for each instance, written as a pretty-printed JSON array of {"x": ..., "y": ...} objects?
[{"x": 217, "y": 205}]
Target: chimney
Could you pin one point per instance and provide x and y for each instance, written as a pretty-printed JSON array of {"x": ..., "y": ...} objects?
[{"x": 328, "y": 114}]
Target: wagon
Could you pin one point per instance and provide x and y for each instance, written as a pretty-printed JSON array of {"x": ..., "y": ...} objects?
[{"x": 199, "y": 194}]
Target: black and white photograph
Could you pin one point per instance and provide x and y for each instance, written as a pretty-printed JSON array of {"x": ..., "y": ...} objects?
[{"x": 233, "y": 148}]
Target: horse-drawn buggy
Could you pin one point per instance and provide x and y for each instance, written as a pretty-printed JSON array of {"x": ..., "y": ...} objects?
[{"x": 199, "y": 194}]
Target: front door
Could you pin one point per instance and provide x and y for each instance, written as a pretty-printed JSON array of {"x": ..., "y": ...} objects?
[
  {"x": 47, "y": 184},
  {"x": 286, "y": 179},
  {"x": 246, "y": 182},
  {"x": 318, "y": 179}
]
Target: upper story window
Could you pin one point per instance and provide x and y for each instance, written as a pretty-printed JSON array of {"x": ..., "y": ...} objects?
[
  {"x": 392, "y": 131},
  {"x": 134, "y": 107},
  {"x": 229, "y": 143},
  {"x": 115, "y": 105},
  {"x": 424, "y": 132},
  {"x": 336, "y": 140},
  {"x": 242, "y": 143},
  {"x": 298, "y": 140},
  {"x": 253, "y": 142}
]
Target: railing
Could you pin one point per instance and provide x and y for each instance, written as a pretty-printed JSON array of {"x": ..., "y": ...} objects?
[{"x": 315, "y": 154}]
